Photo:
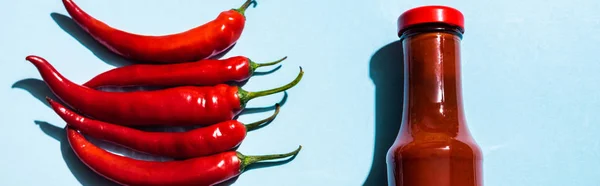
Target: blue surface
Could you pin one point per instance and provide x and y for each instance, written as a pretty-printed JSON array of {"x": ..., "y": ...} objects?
[{"x": 530, "y": 80}]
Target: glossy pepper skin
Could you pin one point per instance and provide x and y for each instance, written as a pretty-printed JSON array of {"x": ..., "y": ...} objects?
[
  {"x": 201, "y": 42},
  {"x": 205, "y": 170},
  {"x": 178, "y": 106},
  {"x": 201, "y": 73},
  {"x": 202, "y": 141}
]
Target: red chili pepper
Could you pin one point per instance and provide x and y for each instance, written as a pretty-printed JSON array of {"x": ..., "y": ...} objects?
[
  {"x": 202, "y": 141},
  {"x": 201, "y": 42},
  {"x": 178, "y": 106},
  {"x": 205, "y": 170},
  {"x": 201, "y": 73}
]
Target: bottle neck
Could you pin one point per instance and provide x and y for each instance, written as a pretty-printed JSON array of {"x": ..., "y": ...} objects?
[{"x": 433, "y": 97}]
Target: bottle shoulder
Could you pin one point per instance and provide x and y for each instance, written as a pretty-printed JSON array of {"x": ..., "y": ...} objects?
[{"x": 436, "y": 146}]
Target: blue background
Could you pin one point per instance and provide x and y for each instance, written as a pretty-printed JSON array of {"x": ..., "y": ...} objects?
[{"x": 530, "y": 79}]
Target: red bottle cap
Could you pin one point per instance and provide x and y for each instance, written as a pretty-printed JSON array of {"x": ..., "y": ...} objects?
[{"x": 430, "y": 14}]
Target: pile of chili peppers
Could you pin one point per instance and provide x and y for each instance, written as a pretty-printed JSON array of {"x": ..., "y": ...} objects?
[{"x": 197, "y": 91}]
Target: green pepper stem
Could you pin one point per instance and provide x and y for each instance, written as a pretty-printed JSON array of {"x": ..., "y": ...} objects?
[
  {"x": 245, "y": 6},
  {"x": 248, "y": 160},
  {"x": 254, "y": 66},
  {"x": 270, "y": 63},
  {"x": 257, "y": 124},
  {"x": 246, "y": 96}
]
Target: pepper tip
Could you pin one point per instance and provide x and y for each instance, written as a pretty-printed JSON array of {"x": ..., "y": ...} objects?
[
  {"x": 35, "y": 59},
  {"x": 31, "y": 57},
  {"x": 294, "y": 153}
]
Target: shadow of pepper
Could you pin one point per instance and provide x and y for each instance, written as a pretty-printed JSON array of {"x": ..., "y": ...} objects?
[
  {"x": 82, "y": 173},
  {"x": 387, "y": 73},
  {"x": 263, "y": 73},
  {"x": 37, "y": 88},
  {"x": 220, "y": 55},
  {"x": 254, "y": 110}
]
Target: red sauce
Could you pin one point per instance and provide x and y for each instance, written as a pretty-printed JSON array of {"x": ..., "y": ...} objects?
[{"x": 434, "y": 146}]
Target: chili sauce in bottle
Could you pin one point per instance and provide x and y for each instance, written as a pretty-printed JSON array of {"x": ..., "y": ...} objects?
[{"x": 434, "y": 146}]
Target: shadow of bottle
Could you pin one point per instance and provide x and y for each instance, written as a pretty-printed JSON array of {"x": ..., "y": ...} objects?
[{"x": 387, "y": 73}]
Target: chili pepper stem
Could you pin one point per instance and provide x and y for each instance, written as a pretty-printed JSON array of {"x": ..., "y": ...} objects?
[
  {"x": 248, "y": 160},
  {"x": 246, "y": 96},
  {"x": 254, "y": 66},
  {"x": 245, "y": 6},
  {"x": 254, "y": 125}
]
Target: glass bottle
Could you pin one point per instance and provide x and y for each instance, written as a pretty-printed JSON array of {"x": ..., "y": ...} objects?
[{"x": 434, "y": 146}]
